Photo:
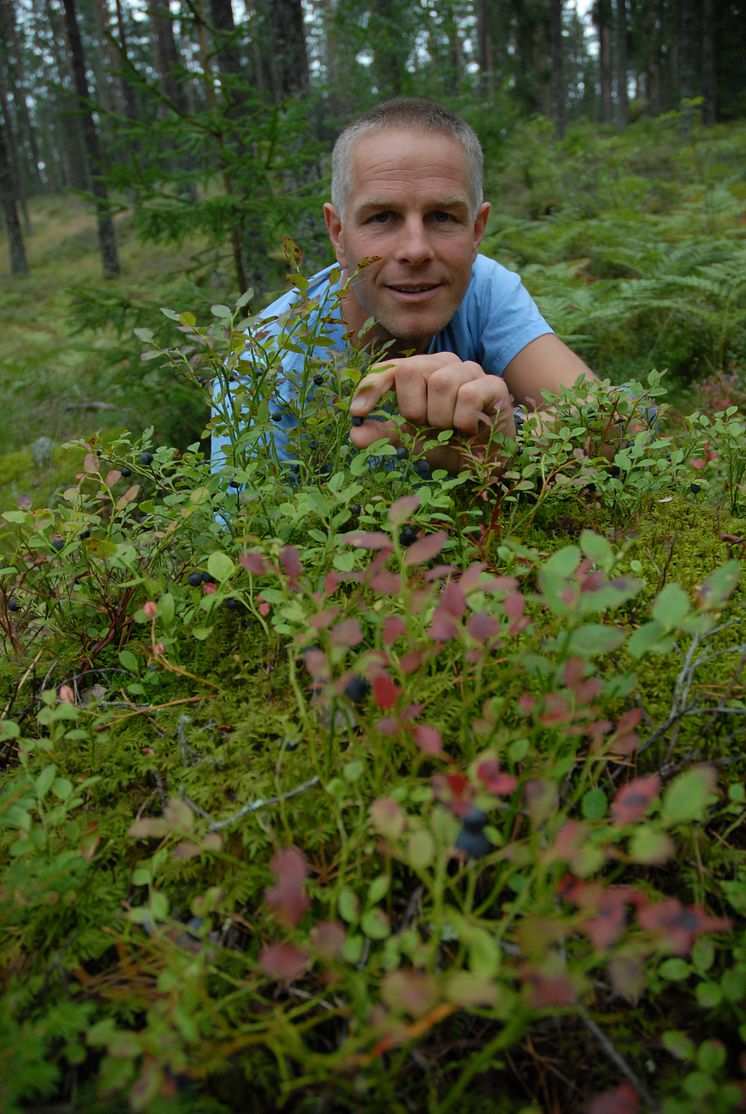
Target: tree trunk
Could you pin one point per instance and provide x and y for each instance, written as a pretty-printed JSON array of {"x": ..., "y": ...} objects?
[
  {"x": 18, "y": 263},
  {"x": 106, "y": 237},
  {"x": 709, "y": 110},
  {"x": 18, "y": 87},
  {"x": 227, "y": 51},
  {"x": 558, "y": 70},
  {"x": 288, "y": 46},
  {"x": 686, "y": 63},
  {"x": 125, "y": 86},
  {"x": 620, "y": 65},
  {"x": 485, "y": 50},
  {"x": 602, "y": 19},
  {"x": 74, "y": 162}
]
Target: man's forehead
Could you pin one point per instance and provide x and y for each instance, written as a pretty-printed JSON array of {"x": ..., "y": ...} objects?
[{"x": 409, "y": 154}]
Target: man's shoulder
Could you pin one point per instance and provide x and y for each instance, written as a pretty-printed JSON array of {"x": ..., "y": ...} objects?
[{"x": 487, "y": 275}]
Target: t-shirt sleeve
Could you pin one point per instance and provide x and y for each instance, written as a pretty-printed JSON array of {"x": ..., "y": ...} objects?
[{"x": 496, "y": 319}]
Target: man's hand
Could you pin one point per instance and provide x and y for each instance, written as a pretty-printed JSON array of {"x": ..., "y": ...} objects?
[{"x": 434, "y": 392}]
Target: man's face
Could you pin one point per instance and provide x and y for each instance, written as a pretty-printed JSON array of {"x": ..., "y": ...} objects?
[{"x": 409, "y": 206}]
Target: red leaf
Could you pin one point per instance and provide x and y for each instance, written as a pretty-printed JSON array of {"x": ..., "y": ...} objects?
[
  {"x": 428, "y": 739},
  {"x": 347, "y": 633},
  {"x": 493, "y": 778},
  {"x": 283, "y": 961},
  {"x": 401, "y": 509},
  {"x": 66, "y": 694},
  {"x": 482, "y": 626},
  {"x": 676, "y": 925},
  {"x": 367, "y": 539},
  {"x": 439, "y": 571},
  {"x": 393, "y": 628},
  {"x": 327, "y": 939},
  {"x": 290, "y": 559},
  {"x": 453, "y": 599},
  {"x": 410, "y": 662},
  {"x": 385, "y": 583},
  {"x": 288, "y": 899},
  {"x": 624, "y": 1100},
  {"x": 442, "y": 628},
  {"x": 385, "y": 692},
  {"x": 323, "y": 618},
  {"x": 91, "y": 463},
  {"x": 254, "y": 563},
  {"x": 633, "y": 800},
  {"x": 425, "y": 549},
  {"x": 556, "y": 710},
  {"x": 514, "y": 605},
  {"x": 316, "y": 663}
]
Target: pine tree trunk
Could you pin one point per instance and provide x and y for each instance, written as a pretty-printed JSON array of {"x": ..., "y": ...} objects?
[
  {"x": 18, "y": 86},
  {"x": 288, "y": 46},
  {"x": 18, "y": 263},
  {"x": 558, "y": 69},
  {"x": 620, "y": 65},
  {"x": 602, "y": 19},
  {"x": 72, "y": 151},
  {"x": 709, "y": 111},
  {"x": 485, "y": 51},
  {"x": 106, "y": 236}
]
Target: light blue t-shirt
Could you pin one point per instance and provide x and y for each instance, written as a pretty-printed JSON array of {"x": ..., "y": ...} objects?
[{"x": 496, "y": 319}]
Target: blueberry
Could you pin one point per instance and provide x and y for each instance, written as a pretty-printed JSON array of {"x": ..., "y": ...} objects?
[
  {"x": 355, "y": 510},
  {"x": 146, "y": 458},
  {"x": 195, "y": 579},
  {"x": 325, "y": 469},
  {"x": 694, "y": 488},
  {"x": 407, "y": 535},
  {"x": 276, "y": 416},
  {"x": 57, "y": 543},
  {"x": 126, "y": 471},
  {"x": 84, "y": 534},
  {"x": 234, "y": 484},
  {"x": 422, "y": 468},
  {"x": 13, "y": 605},
  {"x": 357, "y": 689},
  {"x": 318, "y": 380},
  {"x": 207, "y": 578},
  {"x": 357, "y": 421},
  {"x": 401, "y": 452},
  {"x": 471, "y": 839},
  {"x": 233, "y": 603}
]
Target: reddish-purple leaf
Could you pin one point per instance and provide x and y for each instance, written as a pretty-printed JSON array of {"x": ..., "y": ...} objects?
[
  {"x": 283, "y": 961},
  {"x": 323, "y": 618},
  {"x": 633, "y": 800},
  {"x": 442, "y": 628},
  {"x": 327, "y": 939},
  {"x": 393, "y": 628},
  {"x": 541, "y": 800},
  {"x": 401, "y": 509},
  {"x": 367, "y": 539},
  {"x": 556, "y": 710},
  {"x": 440, "y": 571},
  {"x": 111, "y": 477},
  {"x": 290, "y": 558},
  {"x": 413, "y": 992},
  {"x": 471, "y": 578},
  {"x": 623, "y": 1100},
  {"x": 627, "y": 973},
  {"x": 675, "y": 925},
  {"x": 347, "y": 633},
  {"x": 428, "y": 739},
  {"x": 388, "y": 817},
  {"x": 254, "y": 563},
  {"x": 91, "y": 463},
  {"x": 385, "y": 583},
  {"x": 316, "y": 663},
  {"x": 514, "y": 605},
  {"x": 385, "y": 692},
  {"x": 453, "y": 599},
  {"x": 482, "y": 626},
  {"x": 411, "y": 661},
  {"x": 547, "y": 989},
  {"x": 288, "y": 898},
  {"x": 625, "y": 739},
  {"x": 493, "y": 778},
  {"x": 388, "y": 726},
  {"x": 425, "y": 549}
]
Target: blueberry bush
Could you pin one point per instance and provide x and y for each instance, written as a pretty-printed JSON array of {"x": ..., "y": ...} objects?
[{"x": 341, "y": 785}]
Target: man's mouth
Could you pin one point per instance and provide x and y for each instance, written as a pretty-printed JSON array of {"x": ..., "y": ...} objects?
[{"x": 419, "y": 288}]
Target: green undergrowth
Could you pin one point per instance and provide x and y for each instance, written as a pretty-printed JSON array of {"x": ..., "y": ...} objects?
[{"x": 338, "y": 784}]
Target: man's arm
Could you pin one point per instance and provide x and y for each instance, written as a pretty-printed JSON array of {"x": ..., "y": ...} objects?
[{"x": 546, "y": 364}]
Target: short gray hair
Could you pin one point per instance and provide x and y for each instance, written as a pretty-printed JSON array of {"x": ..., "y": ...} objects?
[{"x": 405, "y": 112}]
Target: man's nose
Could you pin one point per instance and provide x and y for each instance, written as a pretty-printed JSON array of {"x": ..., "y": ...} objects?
[{"x": 414, "y": 244}]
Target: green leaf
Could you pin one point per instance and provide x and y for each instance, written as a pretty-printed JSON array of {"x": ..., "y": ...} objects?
[
  {"x": 220, "y": 311},
  {"x": 220, "y": 566},
  {"x": 593, "y": 639},
  {"x": 378, "y": 889},
  {"x": 62, "y": 788},
  {"x": 594, "y": 805},
  {"x": 719, "y": 585},
  {"x": 128, "y": 661},
  {"x": 375, "y": 924},
  {"x": 647, "y": 845},
  {"x": 674, "y": 970},
  {"x": 201, "y": 633},
  {"x": 349, "y": 906},
  {"x": 166, "y": 609},
  {"x": 597, "y": 549},
  {"x": 44, "y": 781},
  {"x": 420, "y": 849},
  {"x": 671, "y": 607},
  {"x": 689, "y": 795}
]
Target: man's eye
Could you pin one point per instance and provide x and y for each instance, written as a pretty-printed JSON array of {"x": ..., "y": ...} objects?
[
  {"x": 380, "y": 218},
  {"x": 441, "y": 218}
]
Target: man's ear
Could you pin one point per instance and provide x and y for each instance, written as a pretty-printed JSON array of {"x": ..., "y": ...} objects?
[
  {"x": 334, "y": 228},
  {"x": 480, "y": 224}
]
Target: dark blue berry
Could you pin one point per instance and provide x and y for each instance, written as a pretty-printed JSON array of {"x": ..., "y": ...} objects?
[
  {"x": 401, "y": 452},
  {"x": 276, "y": 416},
  {"x": 355, "y": 510},
  {"x": 146, "y": 458},
  {"x": 471, "y": 839},
  {"x": 357, "y": 421},
  {"x": 422, "y": 468},
  {"x": 84, "y": 534},
  {"x": 207, "y": 578},
  {"x": 407, "y": 535},
  {"x": 195, "y": 579},
  {"x": 57, "y": 543},
  {"x": 234, "y": 484},
  {"x": 234, "y": 604},
  {"x": 126, "y": 472},
  {"x": 318, "y": 380},
  {"x": 13, "y": 605},
  {"x": 357, "y": 689},
  {"x": 694, "y": 488}
]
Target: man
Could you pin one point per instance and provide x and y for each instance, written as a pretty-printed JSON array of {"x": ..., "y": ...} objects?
[{"x": 464, "y": 341}]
